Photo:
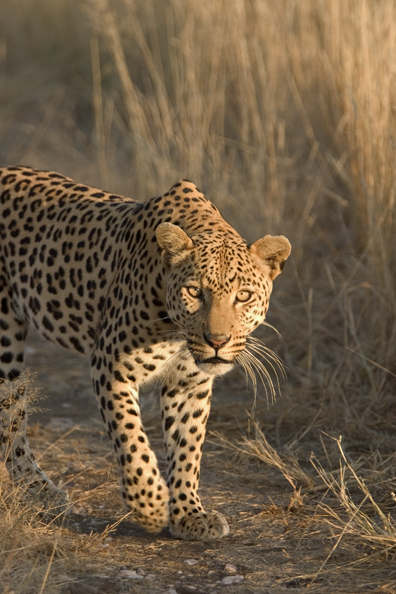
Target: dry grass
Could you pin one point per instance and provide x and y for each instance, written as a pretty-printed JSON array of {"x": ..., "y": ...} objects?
[
  {"x": 284, "y": 113},
  {"x": 35, "y": 557},
  {"x": 360, "y": 507},
  {"x": 261, "y": 449},
  {"x": 38, "y": 556},
  {"x": 364, "y": 521}
]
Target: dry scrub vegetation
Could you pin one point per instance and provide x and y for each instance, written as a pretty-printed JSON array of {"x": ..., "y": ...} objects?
[{"x": 284, "y": 113}]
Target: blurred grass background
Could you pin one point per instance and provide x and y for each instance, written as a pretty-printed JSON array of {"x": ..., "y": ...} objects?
[{"x": 283, "y": 113}]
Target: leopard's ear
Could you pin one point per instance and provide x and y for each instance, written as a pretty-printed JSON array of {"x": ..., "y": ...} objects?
[
  {"x": 272, "y": 251},
  {"x": 174, "y": 242}
]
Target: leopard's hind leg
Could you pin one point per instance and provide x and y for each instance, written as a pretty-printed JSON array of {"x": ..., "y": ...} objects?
[{"x": 14, "y": 443}]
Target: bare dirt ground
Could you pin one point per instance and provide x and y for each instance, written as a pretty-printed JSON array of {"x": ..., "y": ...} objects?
[{"x": 277, "y": 542}]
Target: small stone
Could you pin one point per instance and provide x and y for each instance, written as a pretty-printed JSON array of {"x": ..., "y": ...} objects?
[
  {"x": 129, "y": 574},
  {"x": 141, "y": 571},
  {"x": 191, "y": 561},
  {"x": 232, "y": 579},
  {"x": 170, "y": 591},
  {"x": 150, "y": 576},
  {"x": 230, "y": 568}
]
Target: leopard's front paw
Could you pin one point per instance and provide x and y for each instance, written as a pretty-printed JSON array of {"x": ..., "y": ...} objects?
[{"x": 201, "y": 526}]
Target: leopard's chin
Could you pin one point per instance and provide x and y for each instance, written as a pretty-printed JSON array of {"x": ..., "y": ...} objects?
[{"x": 215, "y": 365}]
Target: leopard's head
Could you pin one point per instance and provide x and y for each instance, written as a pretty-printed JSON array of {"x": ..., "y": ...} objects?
[{"x": 218, "y": 289}]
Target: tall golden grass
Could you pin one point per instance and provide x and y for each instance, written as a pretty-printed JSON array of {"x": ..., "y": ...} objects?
[{"x": 284, "y": 113}]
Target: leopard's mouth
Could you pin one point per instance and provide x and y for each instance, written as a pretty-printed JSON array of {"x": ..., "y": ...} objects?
[
  {"x": 215, "y": 361},
  {"x": 215, "y": 365}
]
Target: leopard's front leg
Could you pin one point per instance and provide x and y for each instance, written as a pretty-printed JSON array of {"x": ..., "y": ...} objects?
[
  {"x": 143, "y": 489},
  {"x": 185, "y": 407}
]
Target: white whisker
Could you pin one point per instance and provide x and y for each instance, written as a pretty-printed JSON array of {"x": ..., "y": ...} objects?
[
  {"x": 255, "y": 368},
  {"x": 263, "y": 374},
  {"x": 269, "y": 357},
  {"x": 279, "y": 335}
]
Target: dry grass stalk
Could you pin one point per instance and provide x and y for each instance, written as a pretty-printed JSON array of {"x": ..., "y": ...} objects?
[
  {"x": 261, "y": 449},
  {"x": 373, "y": 529},
  {"x": 366, "y": 528}
]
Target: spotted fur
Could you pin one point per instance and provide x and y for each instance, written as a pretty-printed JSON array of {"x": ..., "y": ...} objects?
[{"x": 158, "y": 289}]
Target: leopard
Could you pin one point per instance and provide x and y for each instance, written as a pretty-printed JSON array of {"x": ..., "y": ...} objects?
[{"x": 163, "y": 289}]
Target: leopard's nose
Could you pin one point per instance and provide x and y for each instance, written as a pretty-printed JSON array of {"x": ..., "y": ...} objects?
[{"x": 216, "y": 340}]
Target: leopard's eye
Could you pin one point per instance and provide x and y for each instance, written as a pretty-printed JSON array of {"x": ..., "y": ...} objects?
[
  {"x": 195, "y": 292},
  {"x": 243, "y": 296}
]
